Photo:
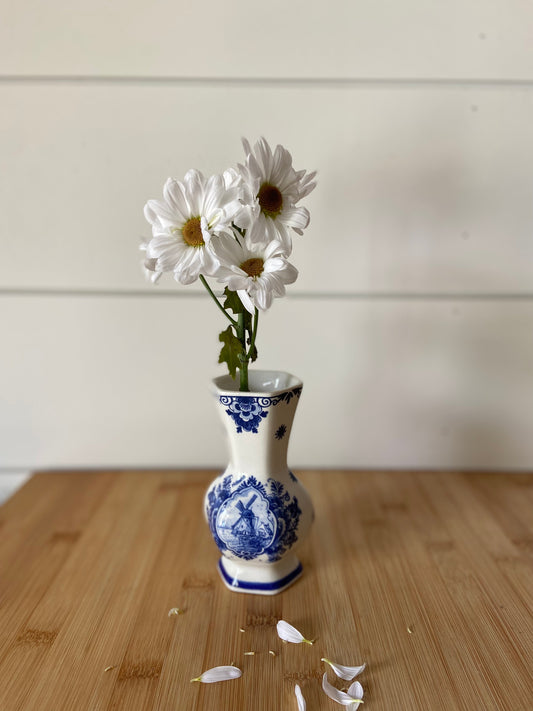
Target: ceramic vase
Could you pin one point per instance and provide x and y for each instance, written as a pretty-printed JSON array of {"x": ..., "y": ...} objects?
[{"x": 257, "y": 510}]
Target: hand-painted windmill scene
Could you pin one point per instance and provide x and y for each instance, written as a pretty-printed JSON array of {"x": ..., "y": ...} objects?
[{"x": 245, "y": 522}]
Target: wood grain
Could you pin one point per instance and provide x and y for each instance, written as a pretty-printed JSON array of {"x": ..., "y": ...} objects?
[{"x": 426, "y": 577}]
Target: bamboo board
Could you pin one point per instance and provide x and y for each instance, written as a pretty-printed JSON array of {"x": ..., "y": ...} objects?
[{"x": 426, "y": 577}]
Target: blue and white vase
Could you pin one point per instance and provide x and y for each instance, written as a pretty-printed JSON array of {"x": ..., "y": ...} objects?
[{"x": 257, "y": 509}]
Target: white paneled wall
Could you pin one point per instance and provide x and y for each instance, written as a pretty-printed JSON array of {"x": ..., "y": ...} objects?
[
  {"x": 412, "y": 321},
  {"x": 282, "y": 38}
]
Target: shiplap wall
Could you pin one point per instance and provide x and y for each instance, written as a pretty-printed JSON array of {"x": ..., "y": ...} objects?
[{"x": 412, "y": 321}]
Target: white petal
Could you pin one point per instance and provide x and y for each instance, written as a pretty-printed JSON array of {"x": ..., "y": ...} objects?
[
  {"x": 290, "y": 273},
  {"x": 219, "y": 674},
  {"x": 347, "y": 673},
  {"x": 246, "y": 146},
  {"x": 237, "y": 281},
  {"x": 307, "y": 182},
  {"x": 296, "y": 217},
  {"x": 228, "y": 250},
  {"x": 246, "y": 301},
  {"x": 355, "y": 690},
  {"x": 194, "y": 183},
  {"x": 263, "y": 155},
  {"x": 289, "y": 633},
  {"x": 245, "y": 217},
  {"x": 231, "y": 178},
  {"x": 205, "y": 230},
  {"x": 161, "y": 216},
  {"x": 339, "y": 696},
  {"x": 262, "y": 294},
  {"x": 176, "y": 198},
  {"x": 210, "y": 263},
  {"x": 188, "y": 270},
  {"x": 299, "y": 698}
]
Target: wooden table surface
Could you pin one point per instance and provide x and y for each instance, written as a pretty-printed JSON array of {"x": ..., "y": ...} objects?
[{"x": 426, "y": 577}]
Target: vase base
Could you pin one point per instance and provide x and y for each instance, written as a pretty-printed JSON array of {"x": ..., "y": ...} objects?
[{"x": 266, "y": 579}]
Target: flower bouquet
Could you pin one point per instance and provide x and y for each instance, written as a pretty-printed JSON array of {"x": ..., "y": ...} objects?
[{"x": 235, "y": 228}]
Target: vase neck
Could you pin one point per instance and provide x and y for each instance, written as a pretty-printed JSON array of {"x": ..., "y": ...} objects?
[{"x": 258, "y": 429}]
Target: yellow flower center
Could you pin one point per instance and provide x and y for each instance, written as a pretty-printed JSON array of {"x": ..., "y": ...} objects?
[
  {"x": 270, "y": 200},
  {"x": 192, "y": 232},
  {"x": 253, "y": 267}
]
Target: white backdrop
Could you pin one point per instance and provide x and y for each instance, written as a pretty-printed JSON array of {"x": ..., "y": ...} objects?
[{"x": 412, "y": 321}]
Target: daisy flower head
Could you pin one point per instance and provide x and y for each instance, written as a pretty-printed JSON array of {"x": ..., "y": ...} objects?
[
  {"x": 257, "y": 271},
  {"x": 271, "y": 188},
  {"x": 192, "y": 212}
]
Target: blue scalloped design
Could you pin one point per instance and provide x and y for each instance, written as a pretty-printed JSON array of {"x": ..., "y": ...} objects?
[
  {"x": 248, "y": 411},
  {"x": 250, "y": 519}
]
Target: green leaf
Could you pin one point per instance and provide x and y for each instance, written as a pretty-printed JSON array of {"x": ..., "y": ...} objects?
[
  {"x": 233, "y": 302},
  {"x": 232, "y": 351},
  {"x": 253, "y": 353}
]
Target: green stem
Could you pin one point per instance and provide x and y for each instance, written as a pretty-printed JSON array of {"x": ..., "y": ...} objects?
[
  {"x": 245, "y": 358},
  {"x": 254, "y": 334},
  {"x": 217, "y": 302},
  {"x": 243, "y": 370},
  {"x": 241, "y": 231}
]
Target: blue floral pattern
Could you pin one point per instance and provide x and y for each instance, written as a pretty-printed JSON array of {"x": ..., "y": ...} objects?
[
  {"x": 281, "y": 432},
  {"x": 248, "y": 411},
  {"x": 250, "y": 519}
]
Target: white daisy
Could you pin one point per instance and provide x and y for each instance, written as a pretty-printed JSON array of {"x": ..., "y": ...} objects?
[
  {"x": 183, "y": 223},
  {"x": 271, "y": 189},
  {"x": 258, "y": 272}
]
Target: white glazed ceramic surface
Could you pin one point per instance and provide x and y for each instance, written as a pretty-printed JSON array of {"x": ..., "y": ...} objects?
[{"x": 257, "y": 510}]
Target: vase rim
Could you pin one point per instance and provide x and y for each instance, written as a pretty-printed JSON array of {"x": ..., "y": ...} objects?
[{"x": 261, "y": 382}]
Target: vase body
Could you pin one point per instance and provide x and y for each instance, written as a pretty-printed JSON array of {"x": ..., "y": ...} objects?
[{"x": 257, "y": 510}]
